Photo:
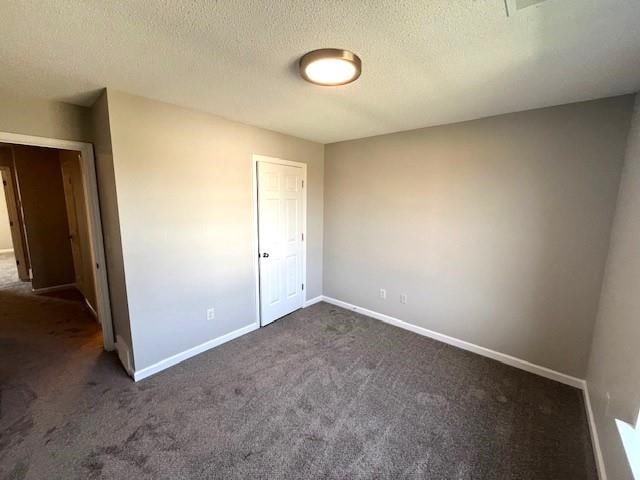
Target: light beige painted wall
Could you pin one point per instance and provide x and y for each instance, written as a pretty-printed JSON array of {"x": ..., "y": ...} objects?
[
  {"x": 5, "y": 229},
  {"x": 102, "y": 150},
  {"x": 614, "y": 364},
  {"x": 43, "y": 118},
  {"x": 184, "y": 193},
  {"x": 45, "y": 215},
  {"x": 496, "y": 229}
]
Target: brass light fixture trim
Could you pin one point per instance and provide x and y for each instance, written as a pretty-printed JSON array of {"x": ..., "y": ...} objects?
[{"x": 330, "y": 67}]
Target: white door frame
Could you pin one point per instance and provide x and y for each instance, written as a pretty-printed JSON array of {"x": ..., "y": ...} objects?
[
  {"x": 90, "y": 188},
  {"x": 255, "y": 244}
]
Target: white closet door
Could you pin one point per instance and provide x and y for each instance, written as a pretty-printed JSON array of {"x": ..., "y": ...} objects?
[{"x": 280, "y": 239}]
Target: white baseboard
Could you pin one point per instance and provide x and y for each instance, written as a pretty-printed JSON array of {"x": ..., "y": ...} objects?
[
  {"x": 313, "y": 301},
  {"x": 486, "y": 352},
  {"x": 179, "y": 357},
  {"x": 501, "y": 357},
  {"x": 6, "y": 250},
  {"x": 593, "y": 430},
  {"x": 54, "y": 288}
]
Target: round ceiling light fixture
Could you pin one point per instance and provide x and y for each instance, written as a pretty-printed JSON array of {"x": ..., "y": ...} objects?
[{"x": 330, "y": 67}]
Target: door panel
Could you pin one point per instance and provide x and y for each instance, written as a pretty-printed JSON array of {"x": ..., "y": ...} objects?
[
  {"x": 291, "y": 269},
  {"x": 72, "y": 217},
  {"x": 280, "y": 224},
  {"x": 76, "y": 201}
]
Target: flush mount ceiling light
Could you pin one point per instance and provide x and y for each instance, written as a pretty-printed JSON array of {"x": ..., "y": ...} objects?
[{"x": 330, "y": 67}]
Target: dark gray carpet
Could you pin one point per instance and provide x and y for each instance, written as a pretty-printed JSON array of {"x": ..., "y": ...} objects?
[
  {"x": 9, "y": 271},
  {"x": 322, "y": 393}
]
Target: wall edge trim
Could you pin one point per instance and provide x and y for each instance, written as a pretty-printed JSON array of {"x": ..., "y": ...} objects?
[
  {"x": 124, "y": 355},
  {"x": 593, "y": 430}
]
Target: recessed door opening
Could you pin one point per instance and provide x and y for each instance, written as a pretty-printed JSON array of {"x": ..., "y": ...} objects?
[
  {"x": 51, "y": 250},
  {"x": 281, "y": 231},
  {"x": 13, "y": 264}
]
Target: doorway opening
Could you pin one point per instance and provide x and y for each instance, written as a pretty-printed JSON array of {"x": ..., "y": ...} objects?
[
  {"x": 12, "y": 270},
  {"x": 280, "y": 196},
  {"x": 50, "y": 217}
]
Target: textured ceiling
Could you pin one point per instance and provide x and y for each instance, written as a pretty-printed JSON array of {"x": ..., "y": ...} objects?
[{"x": 424, "y": 62}]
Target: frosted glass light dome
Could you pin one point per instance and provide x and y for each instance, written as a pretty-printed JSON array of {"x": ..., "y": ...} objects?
[{"x": 330, "y": 67}]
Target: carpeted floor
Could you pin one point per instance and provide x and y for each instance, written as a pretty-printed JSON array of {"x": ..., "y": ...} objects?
[
  {"x": 322, "y": 393},
  {"x": 8, "y": 271}
]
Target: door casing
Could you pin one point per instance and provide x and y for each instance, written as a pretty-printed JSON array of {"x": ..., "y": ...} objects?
[
  {"x": 255, "y": 244},
  {"x": 90, "y": 194},
  {"x": 72, "y": 218}
]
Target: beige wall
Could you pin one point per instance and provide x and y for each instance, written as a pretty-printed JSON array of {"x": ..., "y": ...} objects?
[
  {"x": 614, "y": 365},
  {"x": 496, "y": 229},
  {"x": 43, "y": 118},
  {"x": 45, "y": 216},
  {"x": 184, "y": 193},
  {"x": 5, "y": 229},
  {"x": 184, "y": 190},
  {"x": 101, "y": 137}
]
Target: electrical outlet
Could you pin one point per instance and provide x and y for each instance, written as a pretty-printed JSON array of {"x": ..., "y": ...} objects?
[
  {"x": 403, "y": 298},
  {"x": 211, "y": 313},
  {"x": 383, "y": 293}
]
